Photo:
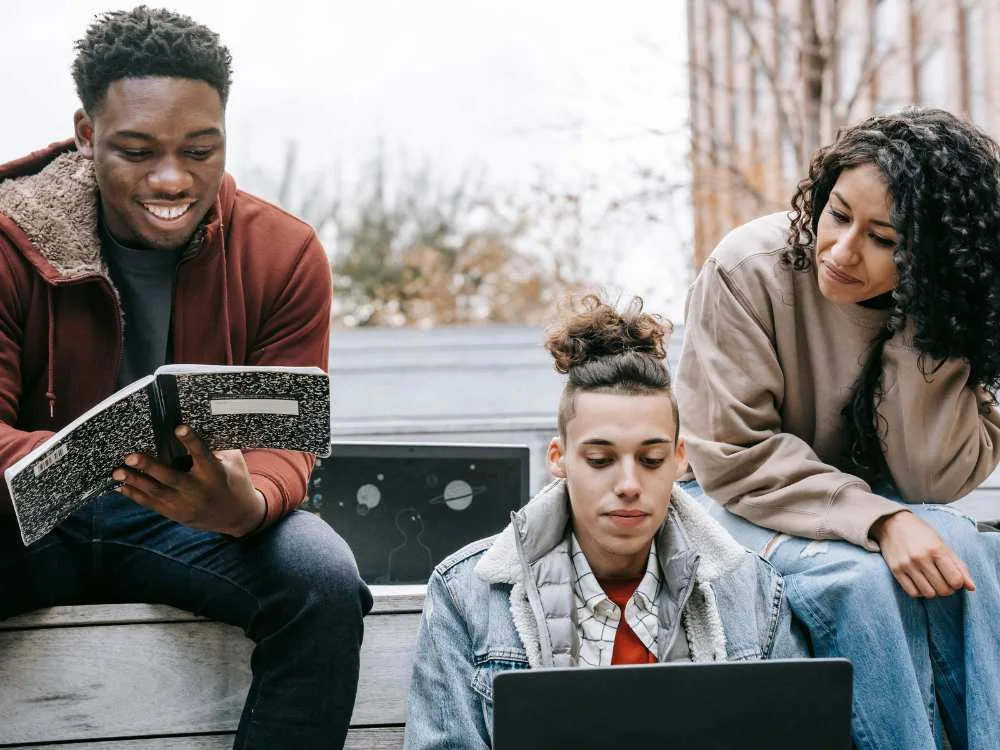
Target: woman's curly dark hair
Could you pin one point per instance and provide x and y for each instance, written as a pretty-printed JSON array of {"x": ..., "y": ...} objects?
[
  {"x": 943, "y": 178},
  {"x": 147, "y": 42},
  {"x": 602, "y": 349}
]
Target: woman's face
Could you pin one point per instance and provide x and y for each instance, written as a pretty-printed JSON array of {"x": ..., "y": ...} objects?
[{"x": 855, "y": 240}]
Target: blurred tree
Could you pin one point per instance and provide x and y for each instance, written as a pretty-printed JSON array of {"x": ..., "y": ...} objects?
[
  {"x": 415, "y": 249},
  {"x": 772, "y": 80}
]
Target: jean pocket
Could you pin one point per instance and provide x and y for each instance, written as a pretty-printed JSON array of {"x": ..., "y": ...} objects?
[{"x": 490, "y": 666}]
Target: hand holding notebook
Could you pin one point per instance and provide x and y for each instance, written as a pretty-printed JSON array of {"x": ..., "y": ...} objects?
[{"x": 228, "y": 407}]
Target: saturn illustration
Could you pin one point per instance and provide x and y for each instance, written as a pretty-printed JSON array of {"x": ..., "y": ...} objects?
[{"x": 458, "y": 494}]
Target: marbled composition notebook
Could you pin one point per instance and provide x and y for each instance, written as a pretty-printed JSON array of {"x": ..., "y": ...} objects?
[{"x": 229, "y": 407}]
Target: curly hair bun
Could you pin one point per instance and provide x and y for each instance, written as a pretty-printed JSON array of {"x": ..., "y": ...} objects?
[{"x": 596, "y": 330}]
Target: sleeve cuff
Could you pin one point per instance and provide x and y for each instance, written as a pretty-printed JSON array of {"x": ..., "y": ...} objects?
[
  {"x": 274, "y": 499},
  {"x": 853, "y": 512}
]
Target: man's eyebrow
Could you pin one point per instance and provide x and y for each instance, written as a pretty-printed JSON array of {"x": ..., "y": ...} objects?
[
  {"x": 135, "y": 134},
  {"x": 648, "y": 441},
  {"x": 139, "y": 135},
  {"x": 204, "y": 131},
  {"x": 886, "y": 224}
]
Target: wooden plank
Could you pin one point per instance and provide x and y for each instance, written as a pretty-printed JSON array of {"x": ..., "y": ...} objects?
[
  {"x": 386, "y": 662},
  {"x": 98, "y": 614},
  {"x": 378, "y": 738},
  {"x": 398, "y": 598},
  {"x": 203, "y": 742},
  {"x": 381, "y": 738},
  {"x": 121, "y": 681},
  {"x": 163, "y": 678},
  {"x": 388, "y": 599}
]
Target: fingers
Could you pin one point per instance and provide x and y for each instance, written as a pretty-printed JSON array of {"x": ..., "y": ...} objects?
[
  {"x": 139, "y": 497},
  {"x": 955, "y": 572},
  {"x": 140, "y": 467},
  {"x": 906, "y": 584},
  {"x": 970, "y": 585},
  {"x": 139, "y": 487},
  {"x": 194, "y": 445},
  {"x": 940, "y": 572},
  {"x": 929, "y": 580}
]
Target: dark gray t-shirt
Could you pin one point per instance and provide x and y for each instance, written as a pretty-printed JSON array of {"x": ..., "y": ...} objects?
[{"x": 145, "y": 281}]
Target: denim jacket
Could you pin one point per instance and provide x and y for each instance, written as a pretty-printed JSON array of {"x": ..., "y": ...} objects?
[{"x": 506, "y": 602}]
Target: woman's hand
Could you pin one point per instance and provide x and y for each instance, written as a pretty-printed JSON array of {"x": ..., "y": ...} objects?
[{"x": 919, "y": 559}]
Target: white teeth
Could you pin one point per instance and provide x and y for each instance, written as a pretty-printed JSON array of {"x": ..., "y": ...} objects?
[{"x": 167, "y": 212}]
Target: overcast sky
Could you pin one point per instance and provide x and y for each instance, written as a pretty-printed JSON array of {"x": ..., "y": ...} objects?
[{"x": 519, "y": 89}]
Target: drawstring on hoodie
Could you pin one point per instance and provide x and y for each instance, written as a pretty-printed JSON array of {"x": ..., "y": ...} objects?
[
  {"x": 50, "y": 394},
  {"x": 225, "y": 298}
]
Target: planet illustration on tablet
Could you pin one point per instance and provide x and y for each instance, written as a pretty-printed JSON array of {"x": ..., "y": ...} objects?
[{"x": 458, "y": 494}]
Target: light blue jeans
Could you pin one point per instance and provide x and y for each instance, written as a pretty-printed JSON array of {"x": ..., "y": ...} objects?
[{"x": 921, "y": 666}]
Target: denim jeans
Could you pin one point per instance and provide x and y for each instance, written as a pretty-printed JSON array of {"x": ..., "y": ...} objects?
[
  {"x": 920, "y": 665},
  {"x": 294, "y": 588}
]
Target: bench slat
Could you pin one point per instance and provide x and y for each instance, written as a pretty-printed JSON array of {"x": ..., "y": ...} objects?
[
  {"x": 170, "y": 677},
  {"x": 382, "y": 738},
  {"x": 388, "y": 599}
]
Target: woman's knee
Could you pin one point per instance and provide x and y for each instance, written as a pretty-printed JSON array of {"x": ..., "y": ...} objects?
[
  {"x": 960, "y": 533},
  {"x": 841, "y": 572}
]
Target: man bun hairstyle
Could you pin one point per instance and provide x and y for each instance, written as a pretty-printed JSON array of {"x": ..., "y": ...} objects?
[
  {"x": 601, "y": 349},
  {"x": 147, "y": 42}
]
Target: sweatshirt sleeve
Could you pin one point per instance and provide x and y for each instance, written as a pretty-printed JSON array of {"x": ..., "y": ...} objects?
[
  {"x": 730, "y": 387},
  {"x": 942, "y": 438},
  {"x": 297, "y": 332},
  {"x": 14, "y": 443}
]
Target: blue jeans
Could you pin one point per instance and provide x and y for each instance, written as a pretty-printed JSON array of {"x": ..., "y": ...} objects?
[
  {"x": 920, "y": 665},
  {"x": 294, "y": 588}
]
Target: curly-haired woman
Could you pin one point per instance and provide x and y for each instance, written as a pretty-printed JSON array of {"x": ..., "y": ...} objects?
[{"x": 835, "y": 385}]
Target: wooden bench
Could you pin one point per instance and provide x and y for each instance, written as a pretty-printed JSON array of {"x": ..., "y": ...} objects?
[{"x": 132, "y": 676}]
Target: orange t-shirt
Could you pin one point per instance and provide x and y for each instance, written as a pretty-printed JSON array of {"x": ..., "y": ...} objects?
[{"x": 628, "y": 649}]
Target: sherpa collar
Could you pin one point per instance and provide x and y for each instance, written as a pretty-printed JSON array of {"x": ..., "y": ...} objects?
[
  {"x": 56, "y": 208},
  {"x": 542, "y": 526}
]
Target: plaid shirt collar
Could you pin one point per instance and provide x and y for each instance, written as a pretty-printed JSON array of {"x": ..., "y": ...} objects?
[{"x": 597, "y": 617}]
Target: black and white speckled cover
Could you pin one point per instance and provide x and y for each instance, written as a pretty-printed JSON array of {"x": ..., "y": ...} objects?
[
  {"x": 75, "y": 464},
  {"x": 229, "y": 407},
  {"x": 306, "y": 430}
]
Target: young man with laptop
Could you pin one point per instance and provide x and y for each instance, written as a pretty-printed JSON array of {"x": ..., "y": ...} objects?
[{"x": 610, "y": 564}]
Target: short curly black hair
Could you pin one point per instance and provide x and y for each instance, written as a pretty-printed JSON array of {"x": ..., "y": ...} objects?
[
  {"x": 147, "y": 42},
  {"x": 943, "y": 178}
]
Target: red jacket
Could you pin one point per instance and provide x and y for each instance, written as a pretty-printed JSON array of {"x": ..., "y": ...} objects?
[{"x": 255, "y": 289}]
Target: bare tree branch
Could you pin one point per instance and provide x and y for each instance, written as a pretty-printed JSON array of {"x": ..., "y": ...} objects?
[{"x": 786, "y": 119}]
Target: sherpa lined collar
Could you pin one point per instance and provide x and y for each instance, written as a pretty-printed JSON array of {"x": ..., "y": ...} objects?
[
  {"x": 55, "y": 207},
  {"x": 542, "y": 524}
]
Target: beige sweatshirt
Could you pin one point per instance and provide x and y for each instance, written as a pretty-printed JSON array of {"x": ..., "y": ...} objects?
[{"x": 766, "y": 367}]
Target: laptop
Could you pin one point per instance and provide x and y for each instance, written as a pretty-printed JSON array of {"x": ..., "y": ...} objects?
[
  {"x": 403, "y": 507},
  {"x": 762, "y": 705}
]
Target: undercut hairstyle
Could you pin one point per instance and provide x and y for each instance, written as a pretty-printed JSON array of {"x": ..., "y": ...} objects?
[
  {"x": 603, "y": 350},
  {"x": 147, "y": 42},
  {"x": 943, "y": 179}
]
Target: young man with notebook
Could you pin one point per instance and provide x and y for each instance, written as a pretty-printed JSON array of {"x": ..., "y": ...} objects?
[
  {"x": 610, "y": 564},
  {"x": 130, "y": 247}
]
